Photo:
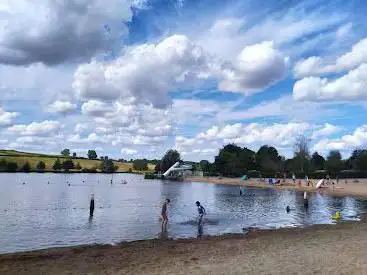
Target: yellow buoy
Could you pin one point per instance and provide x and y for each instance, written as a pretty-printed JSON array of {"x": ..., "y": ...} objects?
[{"x": 337, "y": 216}]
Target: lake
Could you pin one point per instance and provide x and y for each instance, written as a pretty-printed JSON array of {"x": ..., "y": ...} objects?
[{"x": 47, "y": 212}]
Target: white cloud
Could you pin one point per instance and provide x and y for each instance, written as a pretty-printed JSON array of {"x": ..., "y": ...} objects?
[
  {"x": 351, "y": 86},
  {"x": 356, "y": 140},
  {"x": 95, "y": 108},
  {"x": 127, "y": 151},
  {"x": 7, "y": 118},
  {"x": 315, "y": 65},
  {"x": 326, "y": 130},
  {"x": 55, "y": 32},
  {"x": 257, "y": 67},
  {"x": 146, "y": 72},
  {"x": 46, "y": 127},
  {"x": 62, "y": 107}
]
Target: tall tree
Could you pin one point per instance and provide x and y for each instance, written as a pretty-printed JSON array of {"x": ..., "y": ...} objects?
[
  {"x": 268, "y": 159},
  {"x": 233, "y": 160},
  {"x": 204, "y": 165},
  {"x": 92, "y": 154},
  {"x": 317, "y": 162},
  {"x": 74, "y": 155},
  {"x": 65, "y": 152},
  {"x": 107, "y": 166},
  {"x": 68, "y": 165},
  {"x": 57, "y": 165},
  {"x": 26, "y": 167},
  {"x": 140, "y": 164},
  {"x": 157, "y": 167},
  {"x": 359, "y": 159},
  {"x": 170, "y": 158},
  {"x": 334, "y": 163},
  {"x": 41, "y": 166},
  {"x": 301, "y": 152}
]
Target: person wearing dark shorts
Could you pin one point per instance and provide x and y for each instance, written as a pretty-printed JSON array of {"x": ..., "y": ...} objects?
[
  {"x": 164, "y": 213},
  {"x": 201, "y": 211}
]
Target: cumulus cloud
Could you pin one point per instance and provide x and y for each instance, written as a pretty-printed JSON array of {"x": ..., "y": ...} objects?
[
  {"x": 256, "y": 67},
  {"x": 355, "y": 140},
  {"x": 46, "y": 127},
  {"x": 316, "y": 65},
  {"x": 62, "y": 107},
  {"x": 7, "y": 118},
  {"x": 351, "y": 86},
  {"x": 148, "y": 72},
  {"x": 326, "y": 130},
  {"x": 54, "y": 32}
]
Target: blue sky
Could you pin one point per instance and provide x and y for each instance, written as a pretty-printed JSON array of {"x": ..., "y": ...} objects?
[{"x": 134, "y": 78}]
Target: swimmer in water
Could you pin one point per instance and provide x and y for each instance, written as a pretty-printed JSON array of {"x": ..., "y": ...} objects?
[
  {"x": 201, "y": 211},
  {"x": 288, "y": 209},
  {"x": 164, "y": 213}
]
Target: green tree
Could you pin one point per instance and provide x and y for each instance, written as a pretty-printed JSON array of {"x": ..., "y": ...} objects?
[
  {"x": 65, "y": 152},
  {"x": 57, "y": 165},
  {"x": 301, "y": 153},
  {"x": 68, "y": 165},
  {"x": 74, "y": 155},
  {"x": 140, "y": 164},
  {"x": 170, "y": 158},
  {"x": 157, "y": 167},
  {"x": 204, "y": 166},
  {"x": 358, "y": 159},
  {"x": 268, "y": 159},
  {"x": 234, "y": 161},
  {"x": 317, "y": 162},
  {"x": 78, "y": 167},
  {"x": 92, "y": 154},
  {"x": 334, "y": 163},
  {"x": 41, "y": 166},
  {"x": 12, "y": 166},
  {"x": 107, "y": 166},
  {"x": 26, "y": 167}
]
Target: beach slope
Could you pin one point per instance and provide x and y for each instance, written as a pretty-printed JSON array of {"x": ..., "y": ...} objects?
[{"x": 322, "y": 249}]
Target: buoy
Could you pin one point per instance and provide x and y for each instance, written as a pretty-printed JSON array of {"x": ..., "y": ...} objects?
[
  {"x": 337, "y": 216},
  {"x": 288, "y": 209}
]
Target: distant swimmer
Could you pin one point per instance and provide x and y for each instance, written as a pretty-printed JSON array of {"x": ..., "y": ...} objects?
[
  {"x": 164, "y": 212},
  {"x": 288, "y": 209},
  {"x": 201, "y": 211}
]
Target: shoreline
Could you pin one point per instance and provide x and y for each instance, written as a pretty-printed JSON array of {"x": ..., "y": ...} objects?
[
  {"x": 340, "y": 189},
  {"x": 270, "y": 251}
]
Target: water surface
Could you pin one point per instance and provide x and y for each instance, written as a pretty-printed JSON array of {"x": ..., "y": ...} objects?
[{"x": 47, "y": 212}]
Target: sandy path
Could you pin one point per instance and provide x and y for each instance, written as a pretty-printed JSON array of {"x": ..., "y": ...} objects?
[
  {"x": 323, "y": 249},
  {"x": 358, "y": 189}
]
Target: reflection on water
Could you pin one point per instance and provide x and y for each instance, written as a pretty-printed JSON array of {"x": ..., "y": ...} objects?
[{"x": 47, "y": 212}]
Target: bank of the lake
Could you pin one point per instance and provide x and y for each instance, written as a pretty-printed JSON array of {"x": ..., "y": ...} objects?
[
  {"x": 319, "y": 249},
  {"x": 345, "y": 187}
]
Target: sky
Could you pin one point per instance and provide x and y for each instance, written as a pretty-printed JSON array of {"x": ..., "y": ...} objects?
[{"x": 134, "y": 78}]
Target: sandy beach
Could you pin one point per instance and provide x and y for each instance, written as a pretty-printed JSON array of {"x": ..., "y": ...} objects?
[
  {"x": 320, "y": 249},
  {"x": 342, "y": 188}
]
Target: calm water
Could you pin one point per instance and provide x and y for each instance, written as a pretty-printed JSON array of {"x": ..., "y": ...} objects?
[{"x": 41, "y": 214}]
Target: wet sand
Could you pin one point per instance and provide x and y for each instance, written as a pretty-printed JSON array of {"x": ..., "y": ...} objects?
[
  {"x": 319, "y": 249},
  {"x": 351, "y": 188}
]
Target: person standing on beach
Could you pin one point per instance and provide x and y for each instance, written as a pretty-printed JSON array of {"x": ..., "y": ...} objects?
[{"x": 164, "y": 213}]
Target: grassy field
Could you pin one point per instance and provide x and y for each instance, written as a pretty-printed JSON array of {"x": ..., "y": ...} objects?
[{"x": 34, "y": 158}]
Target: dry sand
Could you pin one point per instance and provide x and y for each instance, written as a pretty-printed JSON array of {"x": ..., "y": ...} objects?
[
  {"x": 321, "y": 249},
  {"x": 351, "y": 188}
]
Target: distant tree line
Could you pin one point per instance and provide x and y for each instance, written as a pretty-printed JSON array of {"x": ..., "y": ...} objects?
[{"x": 235, "y": 161}]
